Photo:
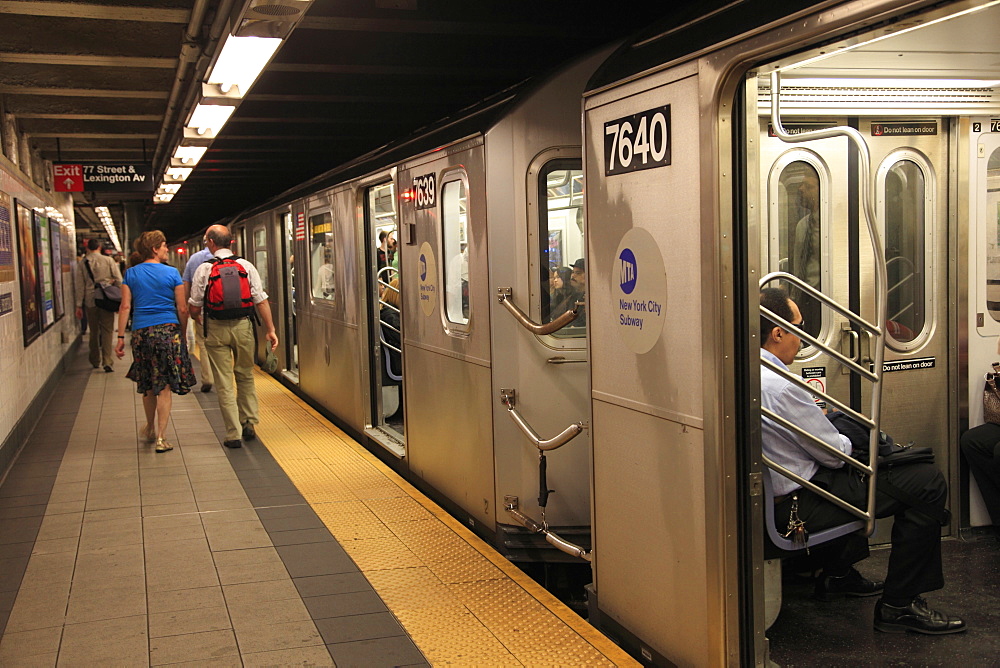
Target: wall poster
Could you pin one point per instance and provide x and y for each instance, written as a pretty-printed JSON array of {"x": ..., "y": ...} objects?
[
  {"x": 31, "y": 314},
  {"x": 45, "y": 282},
  {"x": 6, "y": 240},
  {"x": 55, "y": 238}
]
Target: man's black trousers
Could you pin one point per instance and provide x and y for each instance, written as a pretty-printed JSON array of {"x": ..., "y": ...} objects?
[
  {"x": 915, "y": 561},
  {"x": 981, "y": 447}
]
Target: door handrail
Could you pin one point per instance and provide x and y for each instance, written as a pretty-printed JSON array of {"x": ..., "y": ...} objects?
[
  {"x": 504, "y": 296},
  {"x": 546, "y": 444},
  {"x": 876, "y": 330}
]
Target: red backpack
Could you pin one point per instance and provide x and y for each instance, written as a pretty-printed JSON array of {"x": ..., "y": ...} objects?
[{"x": 227, "y": 292}]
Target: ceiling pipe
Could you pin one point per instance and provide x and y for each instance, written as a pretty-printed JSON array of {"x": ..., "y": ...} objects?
[{"x": 191, "y": 52}]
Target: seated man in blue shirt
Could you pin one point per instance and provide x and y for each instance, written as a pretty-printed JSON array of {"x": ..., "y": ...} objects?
[{"x": 915, "y": 561}]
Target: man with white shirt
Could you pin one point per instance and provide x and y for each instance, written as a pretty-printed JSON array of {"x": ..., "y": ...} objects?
[
  {"x": 230, "y": 343},
  {"x": 915, "y": 561}
]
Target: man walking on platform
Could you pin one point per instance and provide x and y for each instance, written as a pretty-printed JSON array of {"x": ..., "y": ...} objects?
[
  {"x": 225, "y": 292},
  {"x": 196, "y": 260},
  {"x": 93, "y": 269}
]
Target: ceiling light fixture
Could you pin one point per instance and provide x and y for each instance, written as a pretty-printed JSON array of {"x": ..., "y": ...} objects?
[{"x": 241, "y": 61}]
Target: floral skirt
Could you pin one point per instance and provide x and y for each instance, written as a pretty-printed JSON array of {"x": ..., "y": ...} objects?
[{"x": 160, "y": 359}]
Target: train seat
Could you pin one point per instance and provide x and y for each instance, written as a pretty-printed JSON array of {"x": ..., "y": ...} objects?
[
  {"x": 779, "y": 547},
  {"x": 386, "y": 355}
]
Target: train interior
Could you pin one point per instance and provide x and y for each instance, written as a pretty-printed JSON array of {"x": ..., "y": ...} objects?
[{"x": 924, "y": 95}]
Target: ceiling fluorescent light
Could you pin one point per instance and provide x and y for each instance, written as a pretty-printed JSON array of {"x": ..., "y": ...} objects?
[
  {"x": 162, "y": 199},
  {"x": 210, "y": 117},
  {"x": 834, "y": 82},
  {"x": 177, "y": 173},
  {"x": 190, "y": 155},
  {"x": 168, "y": 188},
  {"x": 241, "y": 61}
]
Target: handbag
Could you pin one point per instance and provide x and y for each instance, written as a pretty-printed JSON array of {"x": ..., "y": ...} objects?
[
  {"x": 106, "y": 296},
  {"x": 991, "y": 396}
]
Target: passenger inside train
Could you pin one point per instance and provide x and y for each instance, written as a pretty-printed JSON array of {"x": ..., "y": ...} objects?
[
  {"x": 981, "y": 447},
  {"x": 563, "y": 295},
  {"x": 915, "y": 564}
]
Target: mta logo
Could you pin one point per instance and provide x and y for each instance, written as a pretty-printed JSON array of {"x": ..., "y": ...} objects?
[
  {"x": 423, "y": 267},
  {"x": 628, "y": 271}
]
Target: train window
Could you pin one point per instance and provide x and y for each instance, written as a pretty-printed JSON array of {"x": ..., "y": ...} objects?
[
  {"x": 992, "y": 247},
  {"x": 321, "y": 260},
  {"x": 260, "y": 254},
  {"x": 562, "y": 267},
  {"x": 382, "y": 214},
  {"x": 455, "y": 258},
  {"x": 800, "y": 234},
  {"x": 903, "y": 190}
]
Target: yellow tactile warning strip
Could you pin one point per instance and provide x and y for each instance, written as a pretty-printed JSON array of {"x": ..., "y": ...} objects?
[{"x": 458, "y": 599}]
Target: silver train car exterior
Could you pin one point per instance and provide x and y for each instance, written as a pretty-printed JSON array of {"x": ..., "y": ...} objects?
[
  {"x": 691, "y": 196},
  {"x": 485, "y": 201},
  {"x": 692, "y": 184}
]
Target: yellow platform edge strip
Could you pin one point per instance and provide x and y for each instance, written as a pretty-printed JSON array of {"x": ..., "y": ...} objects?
[{"x": 595, "y": 638}]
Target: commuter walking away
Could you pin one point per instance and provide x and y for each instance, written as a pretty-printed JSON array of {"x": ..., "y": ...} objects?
[
  {"x": 196, "y": 260},
  {"x": 160, "y": 363},
  {"x": 94, "y": 269},
  {"x": 225, "y": 294}
]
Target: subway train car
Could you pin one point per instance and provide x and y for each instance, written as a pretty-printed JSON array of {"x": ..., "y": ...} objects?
[
  {"x": 456, "y": 349},
  {"x": 846, "y": 149},
  {"x": 849, "y": 150}
]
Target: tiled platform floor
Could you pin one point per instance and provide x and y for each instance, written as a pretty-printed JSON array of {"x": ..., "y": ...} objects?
[
  {"x": 111, "y": 554},
  {"x": 137, "y": 558}
]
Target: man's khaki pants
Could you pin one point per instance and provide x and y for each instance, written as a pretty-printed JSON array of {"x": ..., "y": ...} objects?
[
  {"x": 102, "y": 337},
  {"x": 230, "y": 346},
  {"x": 207, "y": 377}
]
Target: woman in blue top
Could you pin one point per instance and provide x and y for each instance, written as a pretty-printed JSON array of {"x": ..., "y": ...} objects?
[{"x": 160, "y": 359}]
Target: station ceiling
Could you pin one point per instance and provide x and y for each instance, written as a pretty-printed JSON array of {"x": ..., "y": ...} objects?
[{"x": 106, "y": 80}]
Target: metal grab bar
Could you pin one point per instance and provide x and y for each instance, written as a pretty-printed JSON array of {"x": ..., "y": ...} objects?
[
  {"x": 507, "y": 398},
  {"x": 504, "y": 295},
  {"x": 876, "y": 330},
  {"x": 551, "y": 537}
]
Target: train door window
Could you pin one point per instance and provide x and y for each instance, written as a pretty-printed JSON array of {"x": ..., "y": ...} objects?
[
  {"x": 455, "y": 256},
  {"x": 992, "y": 247},
  {"x": 260, "y": 254},
  {"x": 798, "y": 231},
  {"x": 321, "y": 255},
  {"x": 904, "y": 185},
  {"x": 562, "y": 266},
  {"x": 291, "y": 343}
]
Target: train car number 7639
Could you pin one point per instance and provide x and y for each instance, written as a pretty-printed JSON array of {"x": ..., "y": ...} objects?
[{"x": 639, "y": 141}]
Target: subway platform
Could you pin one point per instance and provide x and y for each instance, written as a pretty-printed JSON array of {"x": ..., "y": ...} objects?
[{"x": 300, "y": 548}]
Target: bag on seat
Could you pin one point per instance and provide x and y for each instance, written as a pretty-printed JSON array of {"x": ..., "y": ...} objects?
[{"x": 991, "y": 396}]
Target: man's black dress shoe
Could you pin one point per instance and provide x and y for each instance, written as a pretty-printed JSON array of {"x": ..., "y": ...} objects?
[
  {"x": 107, "y": 369},
  {"x": 829, "y": 587},
  {"x": 206, "y": 387},
  {"x": 915, "y": 617},
  {"x": 248, "y": 432},
  {"x": 236, "y": 443}
]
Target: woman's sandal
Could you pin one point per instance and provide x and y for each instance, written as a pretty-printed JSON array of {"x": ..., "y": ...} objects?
[
  {"x": 148, "y": 434},
  {"x": 162, "y": 445}
]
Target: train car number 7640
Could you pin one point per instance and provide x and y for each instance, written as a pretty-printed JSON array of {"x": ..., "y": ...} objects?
[{"x": 639, "y": 141}]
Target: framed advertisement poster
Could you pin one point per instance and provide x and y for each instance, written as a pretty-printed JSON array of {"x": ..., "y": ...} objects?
[
  {"x": 55, "y": 239},
  {"x": 45, "y": 282},
  {"x": 31, "y": 313},
  {"x": 6, "y": 239}
]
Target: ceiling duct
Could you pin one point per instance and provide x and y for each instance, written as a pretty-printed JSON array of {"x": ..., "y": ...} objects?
[{"x": 268, "y": 18}]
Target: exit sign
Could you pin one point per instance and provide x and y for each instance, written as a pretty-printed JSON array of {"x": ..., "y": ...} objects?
[
  {"x": 68, "y": 178},
  {"x": 102, "y": 177}
]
